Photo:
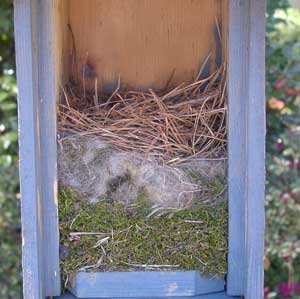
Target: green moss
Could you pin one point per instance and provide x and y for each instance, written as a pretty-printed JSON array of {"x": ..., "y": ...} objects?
[
  {"x": 194, "y": 239},
  {"x": 215, "y": 186},
  {"x": 66, "y": 204}
]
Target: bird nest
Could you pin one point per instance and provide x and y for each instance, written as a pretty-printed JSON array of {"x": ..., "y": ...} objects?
[
  {"x": 146, "y": 169},
  {"x": 172, "y": 127}
]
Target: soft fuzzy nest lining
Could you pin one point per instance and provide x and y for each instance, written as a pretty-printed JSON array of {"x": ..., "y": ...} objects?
[{"x": 99, "y": 171}]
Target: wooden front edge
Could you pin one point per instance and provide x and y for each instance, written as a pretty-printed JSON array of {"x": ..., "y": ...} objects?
[
  {"x": 29, "y": 148},
  {"x": 218, "y": 295},
  {"x": 237, "y": 93},
  {"x": 37, "y": 134},
  {"x": 246, "y": 136},
  {"x": 255, "y": 180},
  {"x": 133, "y": 284},
  {"x": 49, "y": 86}
]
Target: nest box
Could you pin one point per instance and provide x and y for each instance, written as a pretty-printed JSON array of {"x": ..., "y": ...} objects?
[{"x": 150, "y": 43}]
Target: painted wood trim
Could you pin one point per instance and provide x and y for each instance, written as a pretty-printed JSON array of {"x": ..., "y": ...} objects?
[
  {"x": 29, "y": 146},
  {"x": 246, "y": 122},
  {"x": 31, "y": 103},
  {"x": 218, "y": 295},
  {"x": 134, "y": 284},
  {"x": 49, "y": 86},
  {"x": 237, "y": 94},
  {"x": 37, "y": 96},
  {"x": 255, "y": 135}
]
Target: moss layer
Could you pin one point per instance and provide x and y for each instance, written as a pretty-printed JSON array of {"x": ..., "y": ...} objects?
[{"x": 194, "y": 239}]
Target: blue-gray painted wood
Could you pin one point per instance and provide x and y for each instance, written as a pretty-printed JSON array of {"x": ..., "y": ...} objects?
[
  {"x": 237, "y": 97},
  {"x": 246, "y": 85},
  {"x": 255, "y": 152},
  {"x": 218, "y": 295},
  {"x": 49, "y": 86},
  {"x": 143, "y": 284},
  {"x": 29, "y": 145},
  {"x": 38, "y": 92}
]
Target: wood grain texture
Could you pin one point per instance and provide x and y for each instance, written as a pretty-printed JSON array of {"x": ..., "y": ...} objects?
[
  {"x": 29, "y": 146},
  {"x": 237, "y": 87},
  {"x": 141, "y": 284},
  {"x": 38, "y": 81},
  {"x": 49, "y": 85},
  {"x": 38, "y": 91},
  {"x": 63, "y": 40},
  {"x": 218, "y": 295},
  {"x": 224, "y": 28},
  {"x": 144, "y": 41},
  {"x": 255, "y": 152},
  {"x": 246, "y": 85}
]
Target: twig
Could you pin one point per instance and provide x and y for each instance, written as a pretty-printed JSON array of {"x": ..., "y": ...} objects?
[
  {"x": 72, "y": 234},
  {"x": 171, "y": 127}
]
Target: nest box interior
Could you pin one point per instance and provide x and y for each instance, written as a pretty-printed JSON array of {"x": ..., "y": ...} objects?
[
  {"x": 156, "y": 54},
  {"x": 140, "y": 51},
  {"x": 147, "y": 43}
]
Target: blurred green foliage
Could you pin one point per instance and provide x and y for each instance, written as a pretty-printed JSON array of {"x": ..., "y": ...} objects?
[
  {"x": 283, "y": 153},
  {"x": 10, "y": 249}
]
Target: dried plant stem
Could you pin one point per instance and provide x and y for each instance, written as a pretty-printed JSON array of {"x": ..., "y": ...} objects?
[{"x": 187, "y": 122}]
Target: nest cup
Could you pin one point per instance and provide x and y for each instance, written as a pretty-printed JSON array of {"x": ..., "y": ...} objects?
[
  {"x": 147, "y": 158},
  {"x": 154, "y": 142}
]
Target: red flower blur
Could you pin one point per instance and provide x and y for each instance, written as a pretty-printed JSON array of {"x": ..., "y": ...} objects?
[{"x": 288, "y": 289}]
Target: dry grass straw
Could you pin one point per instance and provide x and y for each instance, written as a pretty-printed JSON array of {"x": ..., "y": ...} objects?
[{"x": 173, "y": 127}]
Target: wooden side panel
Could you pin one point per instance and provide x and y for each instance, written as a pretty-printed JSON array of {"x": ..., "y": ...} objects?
[
  {"x": 143, "y": 284},
  {"x": 48, "y": 85},
  {"x": 29, "y": 145},
  {"x": 256, "y": 151},
  {"x": 145, "y": 42},
  {"x": 38, "y": 91},
  {"x": 246, "y": 93},
  {"x": 63, "y": 41},
  {"x": 224, "y": 29},
  {"x": 237, "y": 88}
]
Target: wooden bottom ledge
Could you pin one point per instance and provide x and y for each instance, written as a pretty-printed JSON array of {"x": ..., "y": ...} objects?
[
  {"x": 142, "y": 284},
  {"x": 219, "y": 295}
]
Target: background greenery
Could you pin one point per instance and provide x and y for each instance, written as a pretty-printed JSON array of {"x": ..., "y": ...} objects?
[
  {"x": 283, "y": 155},
  {"x": 10, "y": 264},
  {"x": 282, "y": 275}
]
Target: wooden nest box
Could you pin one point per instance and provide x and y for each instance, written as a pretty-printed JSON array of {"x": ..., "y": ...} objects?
[{"x": 144, "y": 44}]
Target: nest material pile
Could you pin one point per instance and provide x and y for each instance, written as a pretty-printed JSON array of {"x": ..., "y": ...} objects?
[
  {"x": 108, "y": 236},
  {"x": 173, "y": 127},
  {"x": 98, "y": 171},
  {"x": 146, "y": 171}
]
